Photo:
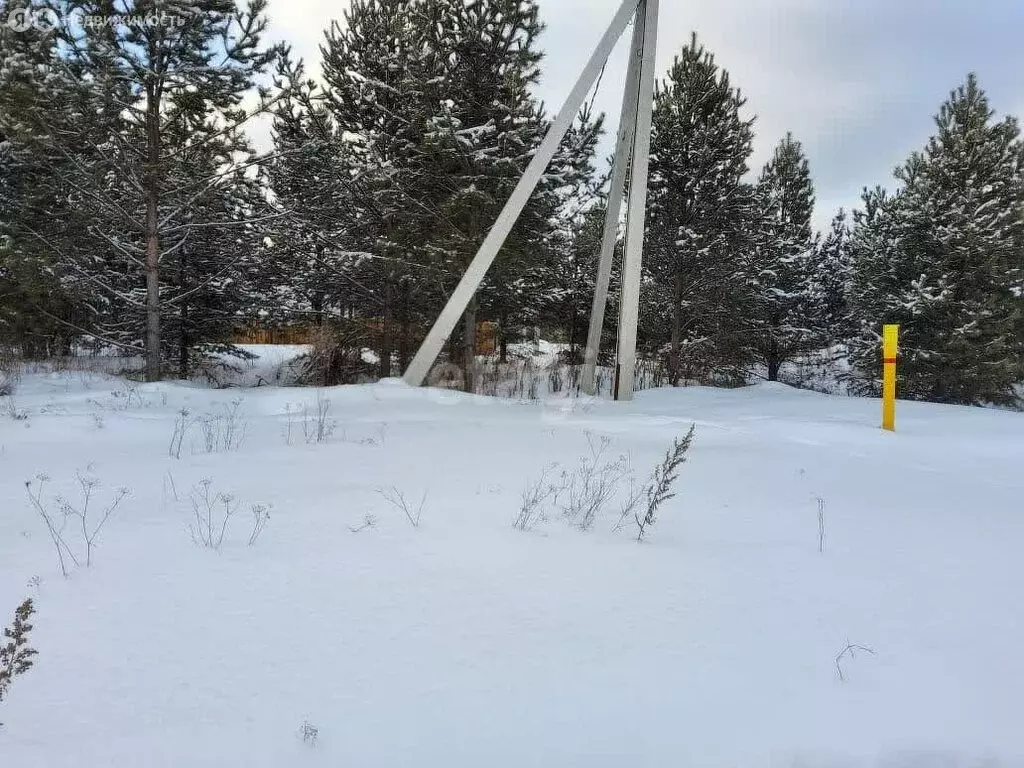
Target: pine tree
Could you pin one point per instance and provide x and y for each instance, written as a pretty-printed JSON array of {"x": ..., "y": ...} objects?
[
  {"x": 207, "y": 267},
  {"x": 831, "y": 284},
  {"x": 558, "y": 294},
  {"x": 306, "y": 273},
  {"x": 479, "y": 144},
  {"x": 377, "y": 65},
  {"x": 698, "y": 235},
  {"x": 946, "y": 261},
  {"x": 434, "y": 100},
  {"x": 785, "y": 257},
  {"x": 35, "y": 311},
  {"x": 568, "y": 282},
  {"x": 142, "y": 100},
  {"x": 34, "y": 215},
  {"x": 879, "y": 269},
  {"x": 434, "y": 120}
]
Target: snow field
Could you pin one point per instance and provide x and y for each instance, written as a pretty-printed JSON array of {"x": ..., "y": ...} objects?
[{"x": 462, "y": 642}]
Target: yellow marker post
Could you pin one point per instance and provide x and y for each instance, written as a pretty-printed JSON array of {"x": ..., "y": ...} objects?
[{"x": 890, "y": 343}]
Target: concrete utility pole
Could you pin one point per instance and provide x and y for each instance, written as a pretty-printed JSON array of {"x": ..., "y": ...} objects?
[
  {"x": 620, "y": 172},
  {"x": 629, "y": 301},
  {"x": 633, "y": 143}
]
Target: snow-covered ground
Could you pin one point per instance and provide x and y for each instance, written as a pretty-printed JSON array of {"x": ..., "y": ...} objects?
[
  {"x": 270, "y": 364},
  {"x": 464, "y": 642}
]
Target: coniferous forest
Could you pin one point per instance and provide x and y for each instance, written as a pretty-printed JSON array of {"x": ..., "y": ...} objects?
[{"x": 138, "y": 216}]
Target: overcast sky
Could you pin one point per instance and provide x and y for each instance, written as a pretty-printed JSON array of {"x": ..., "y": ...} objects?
[{"x": 857, "y": 82}]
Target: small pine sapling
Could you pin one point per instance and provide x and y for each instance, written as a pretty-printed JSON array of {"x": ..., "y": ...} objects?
[
  {"x": 660, "y": 489},
  {"x": 16, "y": 654}
]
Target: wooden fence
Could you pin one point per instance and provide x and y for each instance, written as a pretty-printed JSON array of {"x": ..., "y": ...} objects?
[{"x": 486, "y": 335}]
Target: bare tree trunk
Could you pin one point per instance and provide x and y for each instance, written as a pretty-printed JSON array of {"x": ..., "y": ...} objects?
[
  {"x": 773, "y": 358},
  {"x": 773, "y": 355},
  {"x": 152, "y": 236},
  {"x": 317, "y": 300},
  {"x": 152, "y": 289},
  {"x": 454, "y": 345},
  {"x": 405, "y": 332},
  {"x": 469, "y": 347},
  {"x": 503, "y": 339},
  {"x": 386, "y": 336},
  {"x": 183, "y": 314},
  {"x": 183, "y": 344},
  {"x": 573, "y": 346},
  {"x": 675, "y": 356}
]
